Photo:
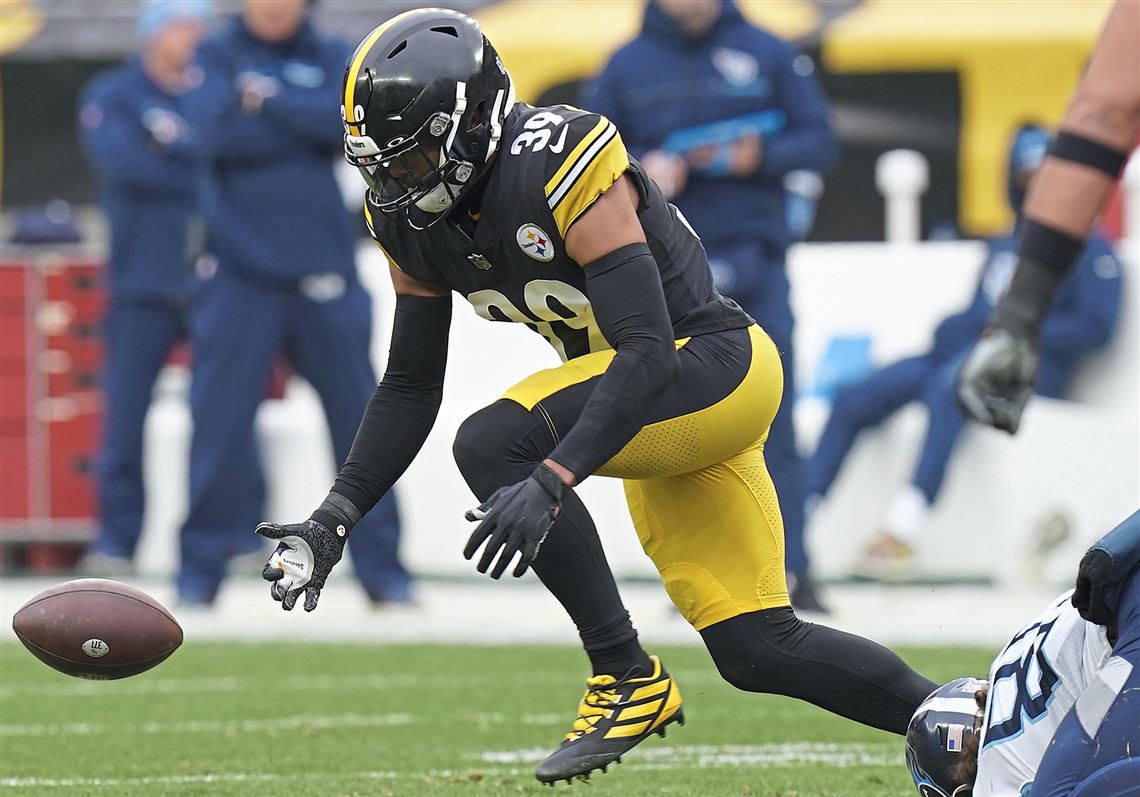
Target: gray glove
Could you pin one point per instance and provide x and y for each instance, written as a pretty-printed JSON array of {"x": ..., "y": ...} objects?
[{"x": 997, "y": 379}]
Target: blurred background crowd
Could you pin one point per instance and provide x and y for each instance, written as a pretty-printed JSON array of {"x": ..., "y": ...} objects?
[{"x": 192, "y": 317}]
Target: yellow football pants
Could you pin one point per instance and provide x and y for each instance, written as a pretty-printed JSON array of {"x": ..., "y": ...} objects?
[{"x": 699, "y": 493}]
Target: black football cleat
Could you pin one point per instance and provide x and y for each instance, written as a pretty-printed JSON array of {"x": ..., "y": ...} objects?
[{"x": 614, "y": 717}]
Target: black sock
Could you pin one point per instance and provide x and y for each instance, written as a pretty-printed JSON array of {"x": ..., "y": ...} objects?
[
  {"x": 502, "y": 444},
  {"x": 574, "y": 569},
  {"x": 774, "y": 651}
]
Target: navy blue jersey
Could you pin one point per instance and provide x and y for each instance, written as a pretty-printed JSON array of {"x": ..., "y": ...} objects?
[
  {"x": 271, "y": 198},
  {"x": 143, "y": 151},
  {"x": 665, "y": 81},
  {"x": 553, "y": 164}
]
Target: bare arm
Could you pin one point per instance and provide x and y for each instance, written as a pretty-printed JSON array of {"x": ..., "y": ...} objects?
[{"x": 1106, "y": 108}]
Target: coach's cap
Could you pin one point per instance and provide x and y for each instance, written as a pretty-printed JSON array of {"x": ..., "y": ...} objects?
[{"x": 154, "y": 14}]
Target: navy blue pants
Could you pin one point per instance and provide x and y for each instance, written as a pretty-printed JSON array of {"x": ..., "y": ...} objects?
[
  {"x": 867, "y": 403},
  {"x": 138, "y": 336},
  {"x": 1089, "y": 748},
  {"x": 753, "y": 273},
  {"x": 239, "y": 328}
]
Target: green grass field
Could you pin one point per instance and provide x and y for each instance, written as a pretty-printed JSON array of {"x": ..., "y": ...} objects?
[{"x": 330, "y": 720}]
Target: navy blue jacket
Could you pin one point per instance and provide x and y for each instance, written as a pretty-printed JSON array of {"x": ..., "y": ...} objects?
[
  {"x": 1083, "y": 314},
  {"x": 149, "y": 189},
  {"x": 271, "y": 200},
  {"x": 664, "y": 81}
]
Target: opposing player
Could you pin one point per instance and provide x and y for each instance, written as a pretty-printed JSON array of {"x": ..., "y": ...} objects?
[
  {"x": 538, "y": 216},
  {"x": 1068, "y": 193},
  {"x": 1060, "y": 714}
]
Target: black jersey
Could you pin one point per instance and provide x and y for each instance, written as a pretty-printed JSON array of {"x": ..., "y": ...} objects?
[{"x": 553, "y": 164}]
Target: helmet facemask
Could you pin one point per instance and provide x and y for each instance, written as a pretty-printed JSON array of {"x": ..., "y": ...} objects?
[{"x": 413, "y": 172}]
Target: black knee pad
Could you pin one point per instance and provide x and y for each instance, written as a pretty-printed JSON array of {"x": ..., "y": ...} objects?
[{"x": 496, "y": 446}]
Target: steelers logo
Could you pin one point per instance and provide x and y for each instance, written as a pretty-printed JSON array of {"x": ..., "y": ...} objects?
[{"x": 535, "y": 243}]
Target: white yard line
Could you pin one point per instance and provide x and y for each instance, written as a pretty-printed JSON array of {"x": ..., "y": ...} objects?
[
  {"x": 174, "y": 780},
  {"x": 212, "y": 726},
  {"x": 655, "y": 759},
  {"x": 156, "y": 686},
  {"x": 482, "y": 719},
  {"x": 762, "y": 755}
]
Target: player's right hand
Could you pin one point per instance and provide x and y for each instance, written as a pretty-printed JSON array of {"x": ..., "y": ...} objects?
[
  {"x": 1094, "y": 575},
  {"x": 306, "y": 553},
  {"x": 997, "y": 379},
  {"x": 669, "y": 171}
]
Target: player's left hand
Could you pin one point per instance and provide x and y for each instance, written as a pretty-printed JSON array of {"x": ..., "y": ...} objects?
[
  {"x": 997, "y": 379},
  {"x": 254, "y": 89},
  {"x": 516, "y": 519},
  {"x": 1093, "y": 577},
  {"x": 305, "y": 555}
]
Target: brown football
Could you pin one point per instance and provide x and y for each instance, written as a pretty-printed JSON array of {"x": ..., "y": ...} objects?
[{"x": 97, "y": 629}]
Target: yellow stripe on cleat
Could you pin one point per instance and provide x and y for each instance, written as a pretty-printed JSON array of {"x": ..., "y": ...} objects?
[
  {"x": 644, "y": 710},
  {"x": 649, "y": 691},
  {"x": 623, "y": 731}
]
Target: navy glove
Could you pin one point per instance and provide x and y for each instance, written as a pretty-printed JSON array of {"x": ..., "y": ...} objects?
[
  {"x": 1089, "y": 597},
  {"x": 306, "y": 553},
  {"x": 997, "y": 379},
  {"x": 516, "y": 518}
]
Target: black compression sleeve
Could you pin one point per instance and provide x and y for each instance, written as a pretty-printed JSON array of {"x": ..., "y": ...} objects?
[
  {"x": 629, "y": 305},
  {"x": 403, "y": 408}
]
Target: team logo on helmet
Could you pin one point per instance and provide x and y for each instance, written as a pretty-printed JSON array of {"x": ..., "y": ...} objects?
[{"x": 535, "y": 243}]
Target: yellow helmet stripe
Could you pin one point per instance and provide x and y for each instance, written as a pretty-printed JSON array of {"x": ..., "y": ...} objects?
[{"x": 354, "y": 70}]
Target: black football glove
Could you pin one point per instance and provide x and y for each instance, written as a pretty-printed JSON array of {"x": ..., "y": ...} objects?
[
  {"x": 516, "y": 518},
  {"x": 1093, "y": 577},
  {"x": 997, "y": 379},
  {"x": 306, "y": 553}
]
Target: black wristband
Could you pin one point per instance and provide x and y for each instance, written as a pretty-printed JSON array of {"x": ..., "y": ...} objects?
[
  {"x": 336, "y": 510},
  {"x": 1077, "y": 148}
]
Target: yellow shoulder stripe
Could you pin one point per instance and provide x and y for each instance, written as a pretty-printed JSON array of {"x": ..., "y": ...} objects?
[
  {"x": 598, "y": 168},
  {"x": 575, "y": 154},
  {"x": 354, "y": 72}
]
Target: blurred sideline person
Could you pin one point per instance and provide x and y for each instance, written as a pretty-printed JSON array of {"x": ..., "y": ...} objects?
[
  {"x": 1060, "y": 713},
  {"x": 142, "y": 149},
  {"x": 539, "y": 216},
  {"x": 1081, "y": 320},
  {"x": 719, "y": 111},
  {"x": 285, "y": 282},
  {"x": 1084, "y": 162}
]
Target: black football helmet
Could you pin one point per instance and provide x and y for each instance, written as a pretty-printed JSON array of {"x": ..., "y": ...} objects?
[
  {"x": 424, "y": 100},
  {"x": 937, "y": 734}
]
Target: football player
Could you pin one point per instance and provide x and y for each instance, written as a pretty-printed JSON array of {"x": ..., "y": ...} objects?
[
  {"x": 538, "y": 216},
  {"x": 1060, "y": 714},
  {"x": 1071, "y": 188}
]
